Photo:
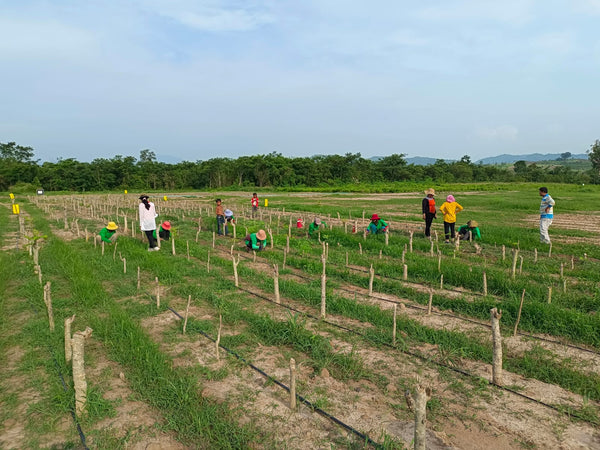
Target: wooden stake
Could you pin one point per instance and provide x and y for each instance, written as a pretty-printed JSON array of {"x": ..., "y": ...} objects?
[
  {"x": 421, "y": 397},
  {"x": 410, "y": 242},
  {"x": 441, "y": 281},
  {"x": 102, "y": 248},
  {"x": 235, "y": 272},
  {"x": 79, "y": 381},
  {"x": 157, "y": 292},
  {"x": 404, "y": 272},
  {"x": 549, "y": 294},
  {"x": 323, "y": 292},
  {"x": 68, "y": 339},
  {"x": 387, "y": 238},
  {"x": 187, "y": 312},
  {"x": 270, "y": 236},
  {"x": 359, "y": 248},
  {"x": 173, "y": 245},
  {"x": 48, "y": 302},
  {"x": 439, "y": 261},
  {"x": 519, "y": 313},
  {"x": 115, "y": 252},
  {"x": 572, "y": 262},
  {"x": 219, "y": 338},
  {"x": 431, "y": 249},
  {"x": 535, "y": 255},
  {"x": 138, "y": 278},
  {"x": 124, "y": 265},
  {"x": 208, "y": 262},
  {"x": 521, "y": 265},
  {"x": 497, "y": 345},
  {"x": 515, "y": 253},
  {"x": 187, "y": 245},
  {"x": 292, "y": 384},
  {"x": 371, "y": 277},
  {"x": 394, "y": 325},
  {"x": 287, "y": 244},
  {"x": 565, "y": 285},
  {"x": 550, "y": 250},
  {"x": 213, "y": 241},
  {"x": 276, "y": 283},
  {"x": 197, "y": 233},
  {"x": 503, "y": 252},
  {"x": 284, "y": 258},
  {"x": 429, "y": 303},
  {"x": 485, "y": 290},
  {"x": 562, "y": 270},
  {"x": 346, "y": 259}
]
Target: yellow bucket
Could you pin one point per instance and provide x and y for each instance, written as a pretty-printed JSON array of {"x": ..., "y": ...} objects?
[
  {"x": 266, "y": 202},
  {"x": 16, "y": 209}
]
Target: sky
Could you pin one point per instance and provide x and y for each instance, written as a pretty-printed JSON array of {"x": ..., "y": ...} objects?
[{"x": 193, "y": 80}]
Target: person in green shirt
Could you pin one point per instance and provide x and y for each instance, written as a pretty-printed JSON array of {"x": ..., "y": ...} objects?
[
  {"x": 470, "y": 231},
  {"x": 256, "y": 241},
  {"x": 313, "y": 228},
  {"x": 377, "y": 225},
  {"x": 164, "y": 231},
  {"x": 108, "y": 233}
]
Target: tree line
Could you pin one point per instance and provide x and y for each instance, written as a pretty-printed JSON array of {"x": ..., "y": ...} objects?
[{"x": 19, "y": 169}]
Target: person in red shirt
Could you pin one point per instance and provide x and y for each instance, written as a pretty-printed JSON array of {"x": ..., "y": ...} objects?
[
  {"x": 428, "y": 207},
  {"x": 254, "y": 202}
]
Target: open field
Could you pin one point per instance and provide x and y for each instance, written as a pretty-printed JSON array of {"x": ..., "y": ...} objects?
[{"x": 150, "y": 385}]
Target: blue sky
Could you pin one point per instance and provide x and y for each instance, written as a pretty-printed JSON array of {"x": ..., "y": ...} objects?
[{"x": 194, "y": 80}]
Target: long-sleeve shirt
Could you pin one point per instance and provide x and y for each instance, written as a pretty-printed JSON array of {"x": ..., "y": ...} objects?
[
  {"x": 475, "y": 231},
  {"x": 547, "y": 202},
  {"x": 449, "y": 210},
  {"x": 257, "y": 244},
  {"x": 379, "y": 227},
  {"x": 106, "y": 234},
  {"x": 147, "y": 217},
  {"x": 314, "y": 227}
]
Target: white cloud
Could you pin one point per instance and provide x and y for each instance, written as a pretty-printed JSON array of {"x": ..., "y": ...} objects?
[{"x": 502, "y": 132}]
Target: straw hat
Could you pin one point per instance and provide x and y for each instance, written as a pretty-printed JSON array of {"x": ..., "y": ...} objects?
[
  {"x": 112, "y": 226},
  {"x": 166, "y": 225},
  {"x": 430, "y": 191},
  {"x": 261, "y": 235},
  {"x": 472, "y": 224},
  {"x": 228, "y": 213},
  {"x": 375, "y": 217}
]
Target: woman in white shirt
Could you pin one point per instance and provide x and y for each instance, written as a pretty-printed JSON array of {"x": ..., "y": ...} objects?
[{"x": 148, "y": 222}]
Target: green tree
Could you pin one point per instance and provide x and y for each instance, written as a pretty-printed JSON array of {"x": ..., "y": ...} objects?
[{"x": 594, "y": 155}]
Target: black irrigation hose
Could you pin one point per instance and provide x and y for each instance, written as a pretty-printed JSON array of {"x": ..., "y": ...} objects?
[
  {"x": 423, "y": 358},
  {"x": 323, "y": 413},
  {"x": 465, "y": 319},
  {"x": 64, "y": 385}
]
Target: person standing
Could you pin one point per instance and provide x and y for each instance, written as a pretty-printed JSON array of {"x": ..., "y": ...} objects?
[
  {"x": 148, "y": 221},
  {"x": 546, "y": 214},
  {"x": 449, "y": 209},
  {"x": 254, "y": 203},
  {"x": 429, "y": 211},
  {"x": 220, "y": 216}
]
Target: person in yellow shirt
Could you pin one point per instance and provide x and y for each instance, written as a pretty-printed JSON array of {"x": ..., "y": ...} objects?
[{"x": 449, "y": 209}]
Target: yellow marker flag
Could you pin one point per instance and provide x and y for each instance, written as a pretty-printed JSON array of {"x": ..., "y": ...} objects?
[
  {"x": 165, "y": 198},
  {"x": 16, "y": 208},
  {"x": 126, "y": 191},
  {"x": 266, "y": 202},
  {"x": 12, "y": 196}
]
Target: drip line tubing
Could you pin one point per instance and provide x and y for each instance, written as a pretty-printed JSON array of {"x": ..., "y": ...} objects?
[{"x": 323, "y": 413}]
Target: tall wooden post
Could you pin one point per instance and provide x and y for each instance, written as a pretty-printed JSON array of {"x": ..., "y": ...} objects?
[
  {"x": 235, "y": 272},
  {"x": 48, "y": 302},
  {"x": 276, "y": 283},
  {"x": 292, "y": 384},
  {"x": 79, "y": 381},
  {"x": 68, "y": 339},
  {"x": 157, "y": 287},
  {"x": 323, "y": 290},
  {"x": 421, "y": 397},
  {"x": 371, "y": 277},
  {"x": 497, "y": 346},
  {"x": 187, "y": 312},
  {"x": 519, "y": 313}
]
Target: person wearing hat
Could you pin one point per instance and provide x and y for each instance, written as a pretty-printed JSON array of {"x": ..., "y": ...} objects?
[
  {"x": 256, "y": 241},
  {"x": 148, "y": 217},
  {"x": 108, "y": 233},
  {"x": 220, "y": 216},
  {"x": 470, "y": 231},
  {"x": 377, "y": 225},
  {"x": 449, "y": 209},
  {"x": 429, "y": 211},
  {"x": 314, "y": 226},
  {"x": 228, "y": 219},
  {"x": 164, "y": 231}
]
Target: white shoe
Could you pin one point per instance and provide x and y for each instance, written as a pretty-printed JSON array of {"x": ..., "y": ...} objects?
[{"x": 156, "y": 249}]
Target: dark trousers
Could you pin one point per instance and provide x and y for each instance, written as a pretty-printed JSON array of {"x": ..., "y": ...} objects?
[
  {"x": 428, "y": 220},
  {"x": 449, "y": 230},
  {"x": 151, "y": 240},
  {"x": 220, "y": 222}
]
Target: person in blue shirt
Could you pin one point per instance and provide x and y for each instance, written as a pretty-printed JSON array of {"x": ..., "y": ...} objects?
[{"x": 546, "y": 215}]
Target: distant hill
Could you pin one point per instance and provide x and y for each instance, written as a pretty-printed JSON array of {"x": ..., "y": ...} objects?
[
  {"x": 424, "y": 161},
  {"x": 532, "y": 157}
]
